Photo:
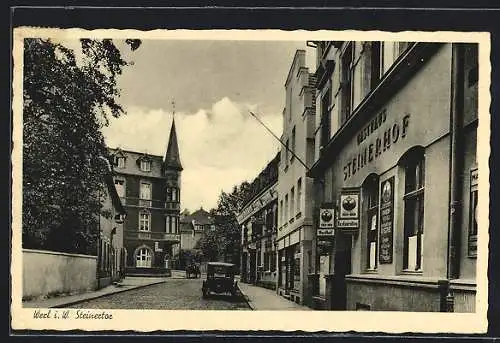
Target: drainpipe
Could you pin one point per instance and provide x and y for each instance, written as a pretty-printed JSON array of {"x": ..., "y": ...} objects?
[{"x": 456, "y": 163}]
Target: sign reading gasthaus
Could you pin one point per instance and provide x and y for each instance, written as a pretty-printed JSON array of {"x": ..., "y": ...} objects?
[{"x": 349, "y": 209}]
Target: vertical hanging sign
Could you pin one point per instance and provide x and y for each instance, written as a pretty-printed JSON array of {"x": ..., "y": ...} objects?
[
  {"x": 386, "y": 221},
  {"x": 348, "y": 216},
  {"x": 326, "y": 221}
]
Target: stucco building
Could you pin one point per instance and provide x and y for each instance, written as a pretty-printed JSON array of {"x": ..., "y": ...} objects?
[
  {"x": 294, "y": 235},
  {"x": 149, "y": 187},
  {"x": 110, "y": 248},
  {"x": 395, "y": 163},
  {"x": 258, "y": 219}
]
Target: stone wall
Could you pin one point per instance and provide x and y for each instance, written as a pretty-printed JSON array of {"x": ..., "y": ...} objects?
[{"x": 47, "y": 273}]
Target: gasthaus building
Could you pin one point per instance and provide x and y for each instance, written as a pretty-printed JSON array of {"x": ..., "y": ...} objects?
[{"x": 395, "y": 176}]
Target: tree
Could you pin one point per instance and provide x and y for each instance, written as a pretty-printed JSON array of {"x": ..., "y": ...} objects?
[
  {"x": 208, "y": 245},
  {"x": 68, "y": 98},
  {"x": 227, "y": 235}
]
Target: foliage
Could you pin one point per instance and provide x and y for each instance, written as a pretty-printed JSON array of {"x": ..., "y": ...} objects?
[
  {"x": 208, "y": 246},
  {"x": 225, "y": 242},
  {"x": 67, "y": 99}
]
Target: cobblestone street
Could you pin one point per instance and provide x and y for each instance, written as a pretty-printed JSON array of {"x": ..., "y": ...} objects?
[{"x": 175, "y": 294}]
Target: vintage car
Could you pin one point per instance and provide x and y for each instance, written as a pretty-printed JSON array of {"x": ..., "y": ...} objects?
[{"x": 220, "y": 279}]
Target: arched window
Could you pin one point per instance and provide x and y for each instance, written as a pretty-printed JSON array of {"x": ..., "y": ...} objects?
[
  {"x": 414, "y": 180},
  {"x": 143, "y": 258},
  {"x": 144, "y": 221},
  {"x": 370, "y": 198}
]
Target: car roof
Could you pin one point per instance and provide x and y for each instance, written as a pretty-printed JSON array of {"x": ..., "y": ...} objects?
[{"x": 221, "y": 264}]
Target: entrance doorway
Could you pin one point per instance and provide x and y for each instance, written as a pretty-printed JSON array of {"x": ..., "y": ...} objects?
[
  {"x": 342, "y": 267},
  {"x": 143, "y": 258}
]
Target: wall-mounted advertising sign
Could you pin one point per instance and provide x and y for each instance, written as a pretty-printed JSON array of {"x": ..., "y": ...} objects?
[
  {"x": 326, "y": 221},
  {"x": 348, "y": 216},
  {"x": 386, "y": 220}
]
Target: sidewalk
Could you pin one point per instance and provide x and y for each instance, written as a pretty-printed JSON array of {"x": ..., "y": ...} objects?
[
  {"x": 126, "y": 284},
  {"x": 260, "y": 298}
]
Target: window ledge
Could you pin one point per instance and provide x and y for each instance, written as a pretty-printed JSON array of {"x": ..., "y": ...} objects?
[
  {"x": 400, "y": 280},
  {"x": 371, "y": 271},
  {"x": 463, "y": 284}
]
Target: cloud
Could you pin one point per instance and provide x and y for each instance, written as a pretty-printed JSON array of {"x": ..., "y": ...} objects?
[{"x": 220, "y": 146}]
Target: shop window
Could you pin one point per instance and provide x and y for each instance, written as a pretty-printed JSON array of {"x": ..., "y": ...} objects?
[
  {"x": 296, "y": 268},
  {"x": 370, "y": 194},
  {"x": 346, "y": 83},
  {"x": 414, "y": 175},
  {"x": 472, "y": 239},
  {"x": 144, "y": 221},
  {"x": 283, "y": 268}
]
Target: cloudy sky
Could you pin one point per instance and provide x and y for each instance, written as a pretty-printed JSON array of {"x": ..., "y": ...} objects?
[{"x": 213, "y": 83}]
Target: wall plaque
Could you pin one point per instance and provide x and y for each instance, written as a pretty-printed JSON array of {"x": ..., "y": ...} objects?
[{"x": 386, "y": 221}]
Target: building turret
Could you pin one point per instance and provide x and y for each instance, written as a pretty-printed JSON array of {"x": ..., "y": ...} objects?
[{"x": 172, "y": 156}]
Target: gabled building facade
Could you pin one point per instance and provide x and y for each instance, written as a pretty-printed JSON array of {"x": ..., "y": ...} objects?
[
  {"x": 193, "y": 226},
  {"x": 294, "y": 236},
  {"x": 149, "y": 187},
  {"x": 397, "y": 164}
]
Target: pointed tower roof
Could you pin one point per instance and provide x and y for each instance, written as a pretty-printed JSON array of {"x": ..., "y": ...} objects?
[{"x": 172, "y": 156}]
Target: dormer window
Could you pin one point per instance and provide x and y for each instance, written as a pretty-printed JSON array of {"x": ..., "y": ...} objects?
[
  {"x": 120, "y": 162},
  {"x": 145, "y": 165}
]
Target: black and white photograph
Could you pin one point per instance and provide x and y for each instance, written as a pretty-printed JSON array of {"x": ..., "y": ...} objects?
[{"x": 315, "y": 177}]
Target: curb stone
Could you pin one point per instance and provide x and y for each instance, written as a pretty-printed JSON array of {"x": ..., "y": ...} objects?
[
  {"x": 104, "y": 295},
  {"x": 247, "y": 299}
]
